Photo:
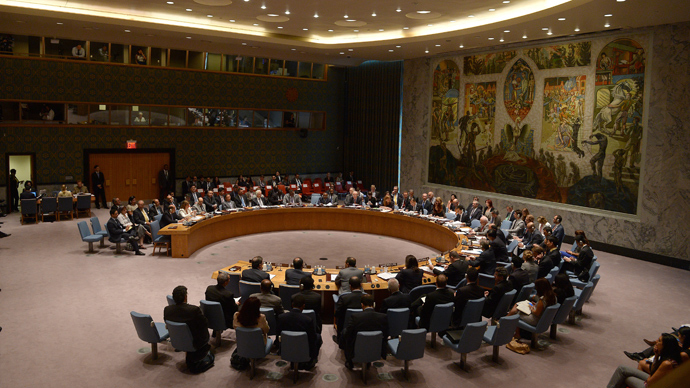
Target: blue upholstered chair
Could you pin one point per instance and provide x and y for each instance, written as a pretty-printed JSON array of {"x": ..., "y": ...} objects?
[
  {"x": 294, "y": 348},
  {"x": 234, "y": 284},
  {"x": 213, "y": 312},
  {"x": 592, "y": 272},
  {"x": 486, "y": 280},
  {"x": 471, "y": 340},
  {"x": 83, "y": 205},
  {"x": 250, "y": 344},
  {"x": 462, "y": 283},
  {"x": 348, "y": 315},
  {"x": 511, "y": 247},
  {"x": 86, "y": 235},
  {"x": 562, "y": 314},
  {"x": 248, "y": 288},
  {"x": 315, "y": 198},
  {"x": 409, "y": 346},
  {"x": 503, "y": 306},
  {"x": 543, "y": 324},
  {"x": 48, "y": 208},
  {"x": 551, "y": 276},
  {"x": 158, "y": 217},
  {"x": 65, "y": 205},
  {"x": 171, "y": 301},
  {"x": 149, "y": 331},
  {"x": 525, "y": 292},
  {"x": 398, "y": 320},
  {"x": 582, "y": 297},
  {"x": 29, "y": 210},
  {"x": 502, "y": 333},
  {"x": 472, "y": 312},
  {"x": 159, "y": 240},
  {"x": 312, "y": 315},
  {"x": 180, "y": 336},
  {"x": 286, "y": 291},
  {"x": 337, "y": 296},
  {"x": 419, "y": 291},
  {"x": 440, "y": 319},
  {"x": 270, "y": 318},
  {"x": 367, "y": 349},
  {"x": 506, "y": 224},
  {"x": 97, "y": 230},
  {"x": 475, "y": 224}
]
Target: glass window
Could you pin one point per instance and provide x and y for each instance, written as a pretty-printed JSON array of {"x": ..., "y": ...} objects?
[
  {"x": 303, "y": 119},
  {"x": 289, "y": 120},
  {"x": 245, "y": 117},
  {"x": 177, "y": 116},
  {"x": 196, "y": 117},
  {"x": 43, "y": 113},
  {"x": 77, "y": 114},
  {"x": 318, "y": 71},
  {"x": 213, "y": 117},
  {"x": 178, "y": 58},
  {"x": 318, "y": 120},
  {"x": 277, "y": 66},
  {"x": 261, "y": 119},
  {"x": 99, "y": 114},
  {"x": 99, "y": 52},
  {"x": 140, "y": 55},
  {"x": 140, "y": 115},
  {"x": 119, "y": 115},
  {"x": 66, "y": 48},
  {"x": 246, "y": 64},
  {"x": 230, "y": 63},
  {"x": 119, "y": 53},
  {"x": 159, "y": 116},
  {"x": 305, "y": 69},
  {"x": 159, "y": 57},
  {"x": 20, "y": 44},
  {"x": 228, "y": 118},
  {"x": 290, "y": 68},
  {"x": 213, "y": 62},
  {"x": 195, "y": 60},
  {"x": 9, "y": 112},
  {"x": 275, "y": 119},
  {"x": 261, "y": 66}
]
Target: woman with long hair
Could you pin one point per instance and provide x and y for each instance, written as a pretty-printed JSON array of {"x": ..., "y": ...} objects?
[
  {"x": 250, "y": 316},
  {"x": 667, "y": 354},
  {"x": 411, "y": 276},
  {"x": 562, "y": 287},
  {"x": 452, "y": 203},
  {"x": 438, "y": 210},
  {"x": 185, "y": 210},
  {"x": 489, "y": 208},
  {"x": 545, "y": 298},
  {"x": 576, "y": 251}
]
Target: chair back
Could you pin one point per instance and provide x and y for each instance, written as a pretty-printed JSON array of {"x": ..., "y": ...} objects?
[
  {"x": 563, "y": 312},
  {"x": 426, "y": 211},
  {"x": 294, "y": 346},
  {"x": 95, "y": 225},
  {"x": 312, "y": 315},
  {"x": 286, "y": 291},
  {"x": 504, "y": 305},
  {"x": 155, "y": 228},
  {"x": 368, "y": 346},
  {"x": 552, "y": 274},
  {"x": 348, "y": 315},
  {"x": 83, "y": 202},
  {"x": 506, "y": 224},
  {"x": 475, "y": 223},
  {"x": 83, "y": 229},
  {"x": 547, "y": 318},
  {"x": 181, "y": 337},
  {"x": 511, "y": 247},
  {"x": 462, "y": 283},
  {"x": 486, "y": 281},
  {"x": 213, "y": 312},
  {"x": 158, "y": 217},
  {"x": 29, "y": 206},
  {"x": 451, "y": 216},
  {"x": 171, "y": 301},
  {"x": 584, "y": 296},
  {"x": 595, "y": 281},
  {"x": 411, "y": 345},
  {"x": 440, "y": 317},
  {"x": 315, "y": 198},
  {"x": 248, "y": 288},
  {"x": 594, "y": 269},
  {"x": 65, "y": 204},
  {"x": 146, "y": 328},
  {"x": 472, "y": 312},
  {"x": 419, "y": 291},
  {"x": 503, "y": 332},
  {"x": 49, "y": 205},
  {"x": 270, "y": 318},
  {"x": 250, "y": 342},
  {"x": 398, "y": 320},
  {"x": 525, "y": 292},
  {"x": 472, "y": 337},
  {"x": 234, "y": 285}
]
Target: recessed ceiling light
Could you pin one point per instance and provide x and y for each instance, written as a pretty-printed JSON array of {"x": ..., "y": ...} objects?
[
  {"x": 350, "y": 49},
  {"x": 188, "y": 10},
  {"x": 356, "y": 30},
  {"x": 491, "y": 38},
  {"x": 316, "y": 15},
  {"x": 256, "y": 24},
  {"x": 232, "y": 20},
  {"x": 470, "y": 16},
  {"x": 549, "y": 33},
  {"x": 545, "y": 28},
  {"x": 524, "y": 37},
  {"x": 506, "y": 31},
  {"x": 60, "y": 23},
  {"x": 423, "y": 11},
  {"x": 171, "y": 2},
  {"x": 452, "y": 21},
  {"x": 390, "y": 51},
  {"x": 620, "y": 1},
  {"x": 426, "y": 51},
  {"x": 341, "y": 53},
  {"x": 561, "y": 19},
  {"x": 209, "y": 16},
  {"x": 429, "y": 25},
  {"x": 400, "y": 10},
  {"x": 273, "y": 15},
  {"x": 305, "y": 29},
  {"x": 125, "y": 30},
  {"x": 492, "y": 9},
  {"x": 462, "y": 46},
  {"x": 398, "y": 46},
  {"x": 607, "y": 25},
  {"x": 287, "y": 12},
  {"x": 280, "y": 27},
  {"x": 246, "y": 1},
  {"x": 351, "y": 20},
  {"x": 189, "y": 37},
  {"x": 381, "y": 29},
  {"x": 406, "y": 28},
  {"x": 506, "y": 1},
  {"x": 577, "y": 29},
  {"x": 263, "y": 6},
  {"x": 373, "y": 14},
  {"x": 501, "y": 40},
  {"x": 330, "y": 30},
  {"x": 608, "y": 15},
  {"x": 294, "y": 49},
  {"x": 437, "y": 45}
]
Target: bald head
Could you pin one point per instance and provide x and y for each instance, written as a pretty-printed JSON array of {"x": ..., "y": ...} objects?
[
  {"x": 393, "y": 286},
  {"x": 266, "y": 286}
]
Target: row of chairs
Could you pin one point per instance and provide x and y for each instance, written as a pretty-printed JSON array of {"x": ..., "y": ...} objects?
[
  {"x": 99, "y": 234},
  {"x": 56, "y": 207}
]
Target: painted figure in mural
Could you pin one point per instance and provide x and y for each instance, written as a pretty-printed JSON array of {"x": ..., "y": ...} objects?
[
  {"x": 470, "y": 145},
  {"x": 447, "y": 123},
  {"x": 634, "y": 133},
  {"x": 617, "y": 169},
  {"x": 463, "y": 124},
  {"x": 625, "y": 107},
  {"x": 576, "y": 172},
  {"x": 597, "y": 161},
  {"x": 564, "y": 135},
  {"x": 637, "y": 63},
  {"x": 561, "y": 171},
  {"x": 618, "y": 96},
  {"x": 605, "y": 62},
  {"x": 576, "y": 131}
]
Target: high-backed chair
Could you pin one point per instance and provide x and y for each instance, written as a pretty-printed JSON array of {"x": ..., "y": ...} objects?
[
  {"x": 29, "y": 210},
  {"x": 171, "y": 301},
  {"x": 511, "y": 247},
  {"x": 440, "y": 320},
  {"x": 348, "y": 315},
  {"x": 592, "y": 272},
  {"x": 475, "y": 224},
  {"x": 294, "y": 348},
  {"x": 97, "y": 230},
  {"x": 503, "y": 306},
  {"x": 312, "y": 315},
  {"x": 486, "y": 280},
  {"x": 419, "y": 291},
  {"x": 462, "y": 283},
  {"x": 149, "y": 331},
  {"x": 502, "y": 333},
  {"x": 470, "y": 340},
  {"x": 159, "y": 240},
  {"x": 367, "y": 349},
  {"x": 234, "y": 285},
  {"x": 86, "y": 235},
  {"x": 213, "y": 312},
  {"x": 65, "y": 205},
  {"x": 562, "y": 315},
  {"x": 83, "y": 205},
  {"x": 250, "y": 344},
  {"x": 286, "y": 291},
  {"x": 525, "y": 292},
  {"x": 158, "y": 217},
  {"x": 472, "y": 312},
  {"x": 48, "y": 208},
  {"x": 551, "y": 276},
  {"x": 408, "y": 346},
  {"x": 398, "y": 320},
  {"x": 543, "y": 324},
  {"x": 181, "y": 336},
  {"x": 314, "y": 199},
  {"x": 248, "y": 288},
  {"x": 270, "y": 318},
  {"x": 506, "y": 224},
  {"x": 582, "y": 297}
]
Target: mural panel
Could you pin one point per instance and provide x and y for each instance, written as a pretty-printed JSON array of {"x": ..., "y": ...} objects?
[
  {"x": 518, "y": 91},
  {"x": 487, "y": 63},
  {"x": 445, "y": 101},
  {"x": 477, "y": 124},
  {"x": 564, "y": 99},
  {"x": 559, "y": 56}
]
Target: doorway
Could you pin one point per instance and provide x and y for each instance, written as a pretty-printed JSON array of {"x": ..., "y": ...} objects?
[{"x": 25, "y": 166}]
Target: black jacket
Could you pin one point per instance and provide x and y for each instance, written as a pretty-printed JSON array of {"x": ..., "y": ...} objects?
[
  {"x": 193, "y": 317},
  {"x": 495, "y": 295},
  {"x": 226, "y": 299},
  {"x": 254, "y": 275},
  {"x": 409, "y": 279},
  {"x": 367, "y": 320},
  {"x": 464, "y": 294},
  {"x": 294, "y": 320},
  {"x": 438, "y": 296}
]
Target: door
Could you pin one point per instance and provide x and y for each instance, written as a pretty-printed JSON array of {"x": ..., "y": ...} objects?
[
  {"x": 128, "y": 174},
  {"x": 25, "y": 167}
]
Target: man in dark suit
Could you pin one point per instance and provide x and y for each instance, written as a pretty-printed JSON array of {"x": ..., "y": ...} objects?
[
  {"x": 558, "y": 230},
  {"x": 583, "y": 261},
  {"x": 312, "y": 299},
  {"x": 426, "y": 204},
  {"x": 455, "y": 271},
  {"x": 166, "y": 182},
  {"x": 552, "y": 250},
  {"x": 545, "y": 263},
  {"x": 495, "y": 218},
  {"x": 275, "y": 196},
  {"x": 396, "y": 197},
  {"x": 518, "y": 277},
  {"x": 201, "y": 359},
  {"x": 141, "y": 217},
  {"x": 397, "y": 300},
  {"x": 186, "y": 186},
  {"x": 294, "y": 320},
  {"x": 193, "y": 195},
  {"x": 295, "y": 274},
  {"x": 155, "y": 208},
  {"x": 117, "y": 232},
  {"x": 498, "y": 247},
  {"x": 218, "y": 293},
  {"x": 424, "y": 308},
  {"x": 241, "y": 200},
  {"x": 210, "y": 202},
  {"x": 260, "y": 200},
  {"x": 98, "y": 186},
  {"x": 347, "y": 301},
  {"x": 373, "y": 198},
  {"x": 255, "y": 274},
  {"x": 486, "y": 261},
  {"x": 466, "y": 293},
  {"x": 501, "y": 286},
  {"x": 509, "y": 213},
  {"x": 532, "y": 237},
  {"x": 27, "y": 194},
  {"x": 367, "y": 320},
  {"x": 169, "y": 217},
  {"x": 473, "y": 212}
]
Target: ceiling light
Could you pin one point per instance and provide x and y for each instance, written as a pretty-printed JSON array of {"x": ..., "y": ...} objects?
[
  {"x": 244, "y": 44},
  {"x": 280, "y": 27},
  {"x": 256, "y": 24},
  {"x": 305, "y": 29},
  {"x": 549, "y": 33},
  {"x": 209, "y": 16},
  {"x": 506, "y": 1},
  {"x": 171, "y": 2},
  {"x": 346, "y": 17},
  {"x": 620, "y": 1},
  {"x": 188, "y": 10},
  {"x": 263, "y": 6},
  {"x": 273, "y": 15},
  {"x": 316, "y": 15},
  {"x": 506, "y": 31},
  {"x": 492, "y": 9},
  {"x": 125, "y": 30},
  {"x": 294, "y": 49},
  {"x": 524, "y": 37},
  {"x": 400, "y": 10},
  {"x": 608, "y": 15},
  {"x": 356, "y": 30},
  {"x": 373, "y": 14},
  {"x": 561, "y": 19},
  {"x": 423, "y": 11},
  {"x": 429, "y": 25},
  {"x": 470, "y": 16},
  {"x": 491, "y": 38},
  {"x": 406, "y": 28},
  {"x": 398, "y": 46},
  {"x": 330, "y": 30},
  {"x": 426, "y": 51},
  {"x": 462, "y": 46},
  {"x": 438, "y": 45},
  {"x": 60, "y": 23},
  {"x": 452, "y": 21},
  {"x": 501, "y": 40},
  {"x": 577, "y": 29},
  {"x": 287, "y": 12},
  {"x": 232, "y": 20},
  {"x": 390, "y": 51},
  {"x": 545, "y": 28},
  {"x": 341, "y": 53},
  {"x": 607, "y": 25},
  {"x": 189, "y": 37},
  {"x": 381, "y": 29},
  {"x": 350, "y": 20},
  {"x": 246, "y": 1},
  {"x": 350, "y": 49}
]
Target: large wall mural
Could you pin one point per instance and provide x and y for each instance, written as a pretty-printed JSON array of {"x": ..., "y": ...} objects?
[
  {"x": 540, "y": 137},
  {"x": 445, "y": 101}
]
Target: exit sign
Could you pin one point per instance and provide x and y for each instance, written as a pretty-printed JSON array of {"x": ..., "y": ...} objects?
[{"x": 131, "y": 144}]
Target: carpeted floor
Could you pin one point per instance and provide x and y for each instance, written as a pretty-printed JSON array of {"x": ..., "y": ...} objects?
[{"x": 65, "y": 316}]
